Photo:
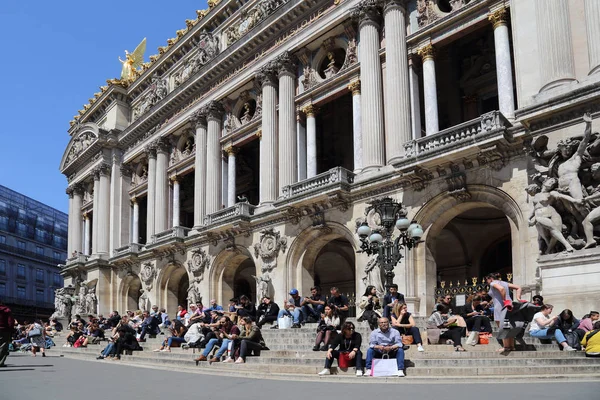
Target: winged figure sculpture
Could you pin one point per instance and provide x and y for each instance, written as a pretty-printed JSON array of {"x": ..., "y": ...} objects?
[{"x": 133, "y": 61}]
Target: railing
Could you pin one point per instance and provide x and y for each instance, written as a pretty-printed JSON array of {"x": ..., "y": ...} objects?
[
  {"x": 30, "y": 254},
  {"x": 468, "y": 288},
  {"x": 175, "y": 232},
  {"x": 80, "y": 258},
  {"x": 472, "y": 131},
  {"x": 236, "y": 211},
  {"x": 132, "y": 248},
  {"x": 334, "y": 176}
]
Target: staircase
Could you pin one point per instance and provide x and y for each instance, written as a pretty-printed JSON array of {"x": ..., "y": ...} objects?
[{"x": 291, "y": 354}]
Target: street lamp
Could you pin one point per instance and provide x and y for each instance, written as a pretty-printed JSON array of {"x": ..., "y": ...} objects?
[{"x": 380, "y": 241}]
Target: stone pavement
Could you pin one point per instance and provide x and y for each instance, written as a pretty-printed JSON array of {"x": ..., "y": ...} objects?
[{"x": 54, "y": 377}]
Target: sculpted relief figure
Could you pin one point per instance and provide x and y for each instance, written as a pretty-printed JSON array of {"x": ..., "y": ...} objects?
[
  {"x": 374, "y": 275},
  {"x": 262, "y": 285},
  {"x": 62, "y": 304}
]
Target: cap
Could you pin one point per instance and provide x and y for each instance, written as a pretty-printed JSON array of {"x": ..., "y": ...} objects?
[{"x": 294, "y": 291}]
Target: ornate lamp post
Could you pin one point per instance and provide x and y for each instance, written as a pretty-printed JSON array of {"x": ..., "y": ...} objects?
[{"x": 379, "y": 241}]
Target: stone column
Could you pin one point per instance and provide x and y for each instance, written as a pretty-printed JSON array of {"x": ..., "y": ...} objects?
[
  {"x": 504, "y": 76},
  {"x": 368, "y": 15},
  {"x": 70, "y": 223},
  {"x": 427, "y": 53},
  {"x": 267, "y": 78},
  {"x": 557, "y": 66},
  {"x": 151, "y": 205},
  {"x": 592, "y": 16},
  {"x": 301, "y": 134},
  {"x": 213, "y": 157},
  {"x": 104, "y": 211},
  {"x": 397, "y": 102},
  {"x": 231, "y": 170},
  {"x": 95, "y": 211},
  {"x": 135, "y": 228},
  {"x": 161, "y": 220},
  {"x": 176, "y": 201},
  {"x": 199, "y": 122},
  {"x": 87, "y": 232},
  {"x": 77, "y": 218},
  {"x": 124, "y": 215},
  {"x": 354, "y": 87},
  {"x": 115, "y": 202},
  {"x": 311, "y": 140},
  {"x": 415, "y": 102},
  {"x": 288, "y": 171},
  {"x": 224, "y": 179}
]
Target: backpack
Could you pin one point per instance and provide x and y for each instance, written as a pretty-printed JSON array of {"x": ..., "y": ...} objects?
[{"x": 573, "y": 340}]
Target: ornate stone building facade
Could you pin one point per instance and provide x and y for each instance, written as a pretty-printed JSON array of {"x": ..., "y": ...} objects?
[{"x": 241, "y": 157}]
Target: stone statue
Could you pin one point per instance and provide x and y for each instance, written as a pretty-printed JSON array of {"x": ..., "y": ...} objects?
[
  {"x": 194, "y": 292},
  {"x": 91, "y": 302},
  {"x": 62, "y": 304},
  {"x": 331, "y": 69},
  {"x": 568, "y": 170},
  {"x": 144, "y": 301},
  {"x": 262, "y": 285},
  {"x": 80, "y": 305},
  {"x": 374, "y": 275},
  {"x": 132, "y": 62}
]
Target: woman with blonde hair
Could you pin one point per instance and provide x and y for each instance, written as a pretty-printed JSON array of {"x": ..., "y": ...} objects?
[{"x": 405, "y": 323}]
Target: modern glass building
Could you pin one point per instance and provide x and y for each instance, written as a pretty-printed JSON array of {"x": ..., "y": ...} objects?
[{"x": 33, "y": 242}]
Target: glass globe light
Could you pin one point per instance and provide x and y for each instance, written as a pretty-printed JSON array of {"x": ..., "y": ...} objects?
[
  {"x": 415, "y": 231},
  {"x": 364, "y": 230},
  {"x": 376, "y": 237},
  {"x": 402, "y": 223}
]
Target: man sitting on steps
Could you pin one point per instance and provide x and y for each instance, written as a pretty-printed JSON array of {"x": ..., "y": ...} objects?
[
  {"x": 339, "y": 303},
  {"x": 313, "y": 306},
  {"x": 292, "y": 308},
  {"x": 385, "y": 341}
]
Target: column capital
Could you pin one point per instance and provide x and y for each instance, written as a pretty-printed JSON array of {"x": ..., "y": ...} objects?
[
  {"x": 394, "y": 4},
  {"x": 134, "y": 200},
  {"x": 85, "y": 215},
  {"x": 101, "y": 170},
  {"x": 367, "y": 12},
  {"x": 267, "y": 75},
  {"x": 150, "y": 150},
  {"x": 498, "y": 17},
  {"x": 75, "y": 189},
  {"x": 231, "y": 151},
  {"x": 198, "y": 119},
  {"x": 175, "y": 178},
  {"x": 354, "y": 87},
  {"x": 258, "y": 134},
  {"x": 162, "y": 145},
  {"x": 70, "y": 191},
  {"x": 125, "y": 170},
  {"x": 310, "y": 110},
  {"x": 427, "y": 52},
  {"x": 286, "y": 64},
  {"x": 214, "y": 110}
]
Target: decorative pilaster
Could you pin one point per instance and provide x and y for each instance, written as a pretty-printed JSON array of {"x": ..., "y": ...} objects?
[
  {"x": 96, "y": 174},
  {"x": 87, "y": 233},
  {"x": 369, "y": 16},
  {"x": 200, "y": 124},
  {"x": 214, "y": 115},
  {"x": 231, "y": 170},
  {"x": 397, "y": 102},
  {"x": 115, "y": 202},
  {"x": 288, "y": 172},
  {"x": 301, "y": 140},
  {"x": 506, "y": 97},
  {"x": 592, "y": 16},
  {"x": 176, "y": 201},
  {"x": 135, "y": 228},
  {"x": 124, "y": 215},
  {"x": 357, "y": 146},
  {"x": 267, "y": 78},
  {"x": 161, "y": 220},
  {"x": 77, "y": 219},
  {"x": 557, "y": 66},
  {"x": 415, "y": 104},
  {"x": 151, "y": 204},
  {"x": 311, "y": 140},
  {"x": 427, "y": 53},
  {"x": 70, "y": 223},
  {"x": 103, "y": 217}
]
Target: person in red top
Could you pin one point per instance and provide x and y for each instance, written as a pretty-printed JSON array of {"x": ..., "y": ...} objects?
[{"x": 7, "y": 324}]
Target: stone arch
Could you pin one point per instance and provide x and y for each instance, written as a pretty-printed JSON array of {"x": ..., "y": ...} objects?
[
  {"x": 172, "y": 285},
  {"x": 225, "y": 266},
  {"x": 129, "y": 293},
  {"x": 438, "y": 212},
  {"x": 82, "y": 140},
  {"x": 305, "y": 250},
  {"x": 339, "y": 43}
]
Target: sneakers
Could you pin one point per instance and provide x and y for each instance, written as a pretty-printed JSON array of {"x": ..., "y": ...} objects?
[
  {"x": 228, "y": 360},
  {"x": 420, "y": 348},
  {"x": 359, "y": 372},
  {"x": 569, "y": 348},
  {"x": 240, "y": 360},
  {"x": 368, "y": 372},
  {"x": 296, "y": 326},
  {"x": 326, "y": 371},
  {"x": 401, "y": 374}
]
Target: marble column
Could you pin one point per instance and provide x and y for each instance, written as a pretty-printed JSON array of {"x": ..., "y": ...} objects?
[
  {"x": 135, "y": 226},
  {"x": 555, "y": 43},
  {"x": 115, "y": 202},
  {"x": 301, "y": 134},
  {"x": 161, "y": 220},
  {"x": 95, "y": 205},
  {"x": 592, "y": 18},
  {"x": 415, "y": 102},
  {"x": 176, "y": 201},
  {"x": 214, "y": 114},
  {"x": 124, "y": 215},
  {"x": 311, "y": 140},
  {"x": 70, "y": 223},
  {"x": 427, "y": 53},
  {"x": 267, "y": 78},
  {"x": 397, "y": 94},
  {"x": 369, "y": 17},
  {"x": 224, "y": 179},
  {"x": 354, "y": 87},
  {"x": 151, "y": 203},
  {"x": 77, "y": 219},
  {"x": 231, "y": 170},
  {"x": 288, "y": 145},
  {"x": 504, "y": 76},
  {"x": 199, "y": 122},
  {"x": 87, "y": 233},
  {"x": 104, "y": 211}
]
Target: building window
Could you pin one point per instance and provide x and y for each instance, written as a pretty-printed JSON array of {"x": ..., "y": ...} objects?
[
  {"x": 2, "y": 267},
  {"x": 21, "y": 245},
  {"x": 2, "y": 239},
  {"x": 39, "y": 295},
  {"x": 57, "y": 280},
  {"x": 39, "y": 275},
  {"x": 39, "y": 250},
  {"x": 21, "y": 292},
  {"x": 57, "y": 255},
  {"x": 20, "y": 271},
  {"x": 2, "y": 289}
]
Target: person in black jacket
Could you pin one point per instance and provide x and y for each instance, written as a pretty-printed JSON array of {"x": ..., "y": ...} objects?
[
  {"x": 347, "y": 343},
  {"x": 267, "y": 312},
  {"x": 114, "y": 319},
  {"x": 126, "y": 340},
  {"x": 473, "y": 316},
  {"x": 246, "y": 308},
  {"x": 390, "y": 299}
]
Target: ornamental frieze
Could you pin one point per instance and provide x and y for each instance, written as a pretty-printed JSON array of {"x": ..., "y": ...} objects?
[
  {"x": 79, "y": 145},
  {"x": 250, "y": 18},
  {"x": 268, "y": 247},
  {"x": 199, "y": 263}
]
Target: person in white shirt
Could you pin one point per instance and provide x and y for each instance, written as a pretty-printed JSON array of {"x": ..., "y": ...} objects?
[{"x": 541, "y": 324}]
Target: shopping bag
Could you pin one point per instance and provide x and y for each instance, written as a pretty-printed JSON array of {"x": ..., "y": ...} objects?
[
  {"x": 407, "y": 339},
  {"x": 284, "y": 322},
  {"x": 344, "y": 361},
  {"x": 34, "y": 332},
  {"x": 384, "y": 366}
]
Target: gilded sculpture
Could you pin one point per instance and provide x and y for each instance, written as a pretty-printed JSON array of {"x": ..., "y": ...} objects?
[{"x": 132, "y": 62}]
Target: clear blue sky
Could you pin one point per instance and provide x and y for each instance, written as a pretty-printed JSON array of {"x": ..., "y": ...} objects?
[{"x": 56, "y": 54}]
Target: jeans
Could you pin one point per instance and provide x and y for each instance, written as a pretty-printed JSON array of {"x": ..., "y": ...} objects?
[
  {"x": 296, "y": 314},
  {"x": 215, "y": 342},
  {"x": 247, "y": 346},
  {"x": 314, "y": 310},
  {"x": 543, "y": 334},
  {"x": 399, "y": 354},
  {"x": 108, "y": 350},
  {"x": 474, "y": 323},
  {"x": 335, "y": 355},
  {"x": 174, "y": 339}
]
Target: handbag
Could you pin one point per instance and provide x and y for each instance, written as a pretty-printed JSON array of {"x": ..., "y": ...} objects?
[
  {"x": 408, "y": 339},
  {"x": 34, "y": 332},
  {"x": 344, "y": 361},
  {"x": 384, "y": 366},
  {"x": 484, "y": 339}
]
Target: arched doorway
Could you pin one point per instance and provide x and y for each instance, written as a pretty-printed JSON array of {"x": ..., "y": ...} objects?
[
  {"x": 334, "y": 266},
  {"x": 232, "y": 275},
  {"x": 131, "y": 293},
  {"x": 172, "y": 287},
  {"x": 243, "y": 281}
]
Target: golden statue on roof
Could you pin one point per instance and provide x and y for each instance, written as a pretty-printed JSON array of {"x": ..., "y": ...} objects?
[{"x": 132, "y": 62}]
